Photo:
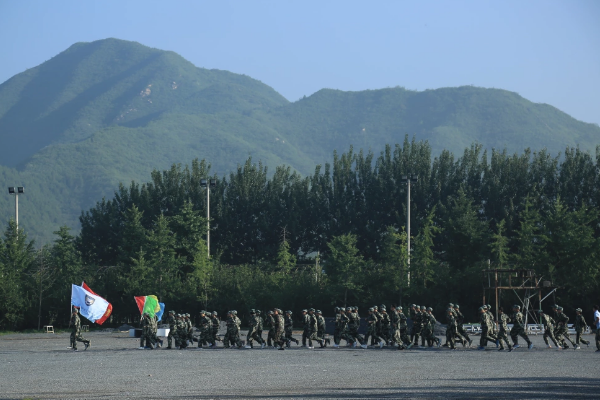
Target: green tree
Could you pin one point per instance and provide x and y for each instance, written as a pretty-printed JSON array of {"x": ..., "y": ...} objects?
[
  {"x": 285, "y": 260},
  {"x": 17, "y": 256},
  {"x": 499, "y": 246},
  {"x": 394, "y": 257},
  {"x": 344, "y": 266},
  {"x": 424, "y": 262}
]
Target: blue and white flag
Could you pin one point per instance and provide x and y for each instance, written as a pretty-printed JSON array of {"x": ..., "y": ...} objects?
[{"x": 91, "y": 306}]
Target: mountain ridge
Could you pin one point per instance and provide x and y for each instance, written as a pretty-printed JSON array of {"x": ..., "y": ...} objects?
[{"x": 110, "y": 111}]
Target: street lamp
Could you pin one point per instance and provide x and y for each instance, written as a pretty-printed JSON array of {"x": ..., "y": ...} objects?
[
  {"x": 408, "y": 179},
  {"x": 19, "y": 190},
  {"x": 208, "y": 184}
]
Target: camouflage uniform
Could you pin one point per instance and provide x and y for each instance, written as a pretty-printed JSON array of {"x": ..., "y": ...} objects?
[
  {"x": 562, "y": 329},
  {"x": 354, "y": 325},
  {"x": 270, "y": 323},
  {"x": 341, "y": 327},
  {"x": 232, "y": 337},
  {"x": 451, "y": 329},
  {"x": 429, "y": 335},
  {"x": 580, "y": 326},
  {"x": 172, "y": 326},
  {"x": 147, "y": 339},
  {"x": 216, "y": 324},
  {"x": 403, "y": 326},
  {"x": 288, "y": 327},
  {"x": 372, "y": 328},
  {"x": 279, "y": 339},
  {"x": 415, "y": 315},
  {"x": 503, "y": 331},
  {"x": 181, "y": 339},
  {"x": 313, "y": 329},
  {"x": 253, "y": 331},
  {"x": 486, "y": 329},
  {"x": 321, "y": 328},
  {"x": 190, "y": 329},
  {"x": 548, "y": 323},
  {"x": 460, "y": 320},
  {"x": 518, "y": 328},
  {"x": 305, "y": 326},
  {"x": 206, "y": 330},
  {"x": 76, "y": 331},
  {"x": 385, "y": 324},
  {"x": 259, "y": 326}
]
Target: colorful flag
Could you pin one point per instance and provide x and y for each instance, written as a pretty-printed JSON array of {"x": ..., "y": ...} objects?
[
  {"x": 148, "y": 304},
  {"x": 108, "y": 310},
  {"x": 91, "y": 306},
  {"x": 160, "y": 313}
]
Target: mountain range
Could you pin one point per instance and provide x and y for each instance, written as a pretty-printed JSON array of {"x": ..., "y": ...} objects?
[{"x": 111, "y": 111}]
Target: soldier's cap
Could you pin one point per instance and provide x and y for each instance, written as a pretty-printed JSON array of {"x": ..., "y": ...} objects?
[
  {"x": 423, "y": 307},
  {"x": 412, "y": 305},
  {"x": 429, "y": 309},
  {"x": 399, "y": 307},
  {"x": 484, "y": 306},
  {"x": 270, "y": 313},
  {"x": 375, "y": 308},
  {"x": 348, "y": 308},
  {"x": 252, "y": 311},
  {"x": 416, "y": 306},
  {"x": 75, "y": 311},
  {"x": 187, "y": 314},
  {"x": 480, "y": 308},
  {"x": 456, "y": 306},
  {"x": 382, "y": 308},
  {"x": 518, "y": 307},
  {"x": 214, "y": 313},
  {"x": 305, "y": 310},
  {"x": 489, "y": 306},
  {"x": 311, "y": 309},
  {"x": 450, "y": 305},
  {"x": 288, "y": 312},
  {"x": 540, "y": 311},
  {"x": 258, "y": 312},
  {"x": 449, "y": 310},
  {"x": 336, "y": 309},
  {"x": 208, "y": 313},
  {"x": 171, "y": 312},
  {"x": 559, "y": 308},
  {"x": 202, "y": 312},
  {"x": 319, "y": 312},
  {"x": 555, "y": 306},
  {"x": 578, "y": 309},
  {"x": 371, "y": 309},
  {"x": 355, "y": 308}
]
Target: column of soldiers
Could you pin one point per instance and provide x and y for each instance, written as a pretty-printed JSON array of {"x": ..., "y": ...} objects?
[{"x": 384, "y": 329}]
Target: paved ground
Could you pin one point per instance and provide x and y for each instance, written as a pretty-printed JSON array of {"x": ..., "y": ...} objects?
[{"x": 40, "y": 366}]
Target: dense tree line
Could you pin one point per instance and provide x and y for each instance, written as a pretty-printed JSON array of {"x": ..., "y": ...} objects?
[{"x": 335, "y": 237}]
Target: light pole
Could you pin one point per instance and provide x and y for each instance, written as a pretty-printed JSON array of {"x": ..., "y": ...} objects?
[
  {"x": 208, "y": 184},
  {"x": 408, "y": 179},
  {"x": 19, "y": 190}
]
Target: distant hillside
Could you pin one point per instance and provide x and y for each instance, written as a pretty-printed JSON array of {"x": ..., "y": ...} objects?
[{"x": 110, "y": 111}]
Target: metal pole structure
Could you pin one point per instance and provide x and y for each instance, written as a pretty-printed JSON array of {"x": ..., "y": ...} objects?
[
  {"x": 496, "y": 285},
  {"x": 208, "y": 219},
  {"x": 408, "y": 226},
  {"x": 17, "y": 210}
]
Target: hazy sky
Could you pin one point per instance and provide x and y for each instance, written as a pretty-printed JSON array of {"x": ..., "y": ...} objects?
[{"x": 547, "y": 51}]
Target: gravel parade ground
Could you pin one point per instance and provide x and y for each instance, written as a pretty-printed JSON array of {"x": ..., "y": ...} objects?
[{"x": 41, "y": 366}]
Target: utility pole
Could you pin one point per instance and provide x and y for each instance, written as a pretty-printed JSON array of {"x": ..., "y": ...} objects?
[
  {"x": 208, "y": 184},
  {"x": 408, "y": 179},
  {"x": 19, "y": 190}
]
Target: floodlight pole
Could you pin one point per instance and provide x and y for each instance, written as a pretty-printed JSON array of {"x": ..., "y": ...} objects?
[
  {"x": 17, "y": 210},
  {"x": 408, "y": 227},
  {"x": 208, "y": 219}
]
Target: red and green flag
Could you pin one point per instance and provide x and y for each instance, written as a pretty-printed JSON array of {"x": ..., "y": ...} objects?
[{"x": 148, "y": 304}]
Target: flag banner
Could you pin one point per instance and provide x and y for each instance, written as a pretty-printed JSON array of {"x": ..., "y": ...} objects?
[
  {"x": 91, "y": 306},
  {"x": 148, "y": 304},
  {"x": 108, "y": 310},
  {"x": 160, "y": 313}
]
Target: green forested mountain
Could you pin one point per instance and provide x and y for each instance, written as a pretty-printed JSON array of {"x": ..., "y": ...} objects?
[{"x": 112, "y": 111}]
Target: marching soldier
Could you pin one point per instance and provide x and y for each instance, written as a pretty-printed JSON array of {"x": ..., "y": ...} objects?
[
  {"x": 548, "y": 323},
  {"x": 460, "y": 320},
  {"x": 172, "y": 321},
  {"x": 216, "y": 324},
  {"x": 321, "y": 328},
  {"x": 75, "y": 324},
  {"x": 451, "y": 329},
  {"x": 580, "y": 326},
  {"x": 503, "y": 329},
  {"x": 289, "y": 326},
  {"x": 518, "y": 328},
  {"x": 562, "y": 328}
]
